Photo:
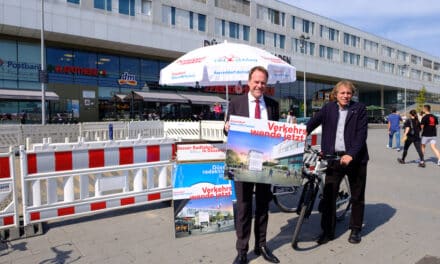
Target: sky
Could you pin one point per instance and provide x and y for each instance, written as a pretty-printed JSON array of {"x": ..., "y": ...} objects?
[{"x": 415, "y": 24}]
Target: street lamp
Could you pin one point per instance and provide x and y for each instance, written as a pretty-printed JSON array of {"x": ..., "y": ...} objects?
[
  {"x": 404, "y": 67},
  {"x": 43, "y": 77},
  {"x": 304, "y": 51}
]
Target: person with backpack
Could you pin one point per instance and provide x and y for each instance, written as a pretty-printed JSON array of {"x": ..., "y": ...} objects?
[{"x": 411, "y": 135}]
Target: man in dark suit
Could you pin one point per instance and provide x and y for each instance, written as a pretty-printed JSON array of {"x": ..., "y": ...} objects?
[
  {"x": 253, "y": 105},
  {"x": 344, "y": 133}
]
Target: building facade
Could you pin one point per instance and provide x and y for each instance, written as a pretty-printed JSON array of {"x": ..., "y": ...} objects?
[{"x": 99, "y": 51}]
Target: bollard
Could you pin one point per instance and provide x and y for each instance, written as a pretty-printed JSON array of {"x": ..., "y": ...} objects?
[{"x": 110, "y": 131}]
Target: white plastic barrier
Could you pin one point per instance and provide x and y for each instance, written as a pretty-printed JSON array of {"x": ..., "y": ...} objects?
[
  {"x": 57, "y": 132},
  {"x": 92, "y": 131},
  {"x": 10, "y": 135},
  {"x": 182, "y": 130},
  {"x": 8, "y": 199},
  {"x": 146, "y": 129},
  {"x": 71, "y": 179},
  {"x": 212, "y": 130}
]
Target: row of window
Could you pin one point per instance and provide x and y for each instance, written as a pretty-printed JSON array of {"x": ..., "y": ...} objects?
[
  {"x": 278, "y": 18},
  {"x": 185, "y": 19}
]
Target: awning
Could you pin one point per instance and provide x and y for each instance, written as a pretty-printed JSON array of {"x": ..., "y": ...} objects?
[
  {"x": 158, "y": 97},
  {"x": 119, "y": 97},
  {"x": 203, "y": 99},
  {"x": 26, "y": 95}
]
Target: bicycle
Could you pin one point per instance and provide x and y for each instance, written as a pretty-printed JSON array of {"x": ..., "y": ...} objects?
[{"x": 304, "y": 195}]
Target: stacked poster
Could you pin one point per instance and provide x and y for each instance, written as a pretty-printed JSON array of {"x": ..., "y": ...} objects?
[
  {"x": 264, "y": 151},
  {"x": 203, "y": 199}
]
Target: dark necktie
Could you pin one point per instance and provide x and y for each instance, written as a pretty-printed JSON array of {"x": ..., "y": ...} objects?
[{"x": 257, "y": 109}]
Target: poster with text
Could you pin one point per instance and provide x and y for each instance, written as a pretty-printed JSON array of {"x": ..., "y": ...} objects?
[
  {"x": 264, "y": 151},
  {"x": 203, "y": 199}
]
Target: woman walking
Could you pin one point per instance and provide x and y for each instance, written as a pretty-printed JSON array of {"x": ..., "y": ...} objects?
[{"x": 411, "y": 135}]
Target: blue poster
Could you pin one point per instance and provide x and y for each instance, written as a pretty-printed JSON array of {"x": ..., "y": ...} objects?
[{"x": 203, "y": 199}]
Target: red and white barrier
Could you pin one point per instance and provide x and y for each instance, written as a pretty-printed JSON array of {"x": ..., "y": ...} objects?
[
  {"x": 71, "y": 179},
  {"x": 8, "y": 199}
]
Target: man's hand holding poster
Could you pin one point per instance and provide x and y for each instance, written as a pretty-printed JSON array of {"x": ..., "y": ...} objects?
[{"x": 264, "y": 151}]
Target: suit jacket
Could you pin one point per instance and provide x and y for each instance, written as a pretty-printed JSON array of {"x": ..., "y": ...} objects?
[
  {"x": 355, "y": 131},
  {"x": 240, "y": 106}
]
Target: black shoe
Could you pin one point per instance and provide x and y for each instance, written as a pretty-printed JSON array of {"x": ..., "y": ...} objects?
[
  {"x": 355, "y": 236},
  {"x": 422, "y": 164},
  {"x": 266, "y": 253},
  {"x": 401, "y": 161},
  {"x": 240, "y": 259},
  {"x": 324, "y": 239}
]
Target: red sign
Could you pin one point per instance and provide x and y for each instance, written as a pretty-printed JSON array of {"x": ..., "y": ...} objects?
[{"x": 79, "y": 70}]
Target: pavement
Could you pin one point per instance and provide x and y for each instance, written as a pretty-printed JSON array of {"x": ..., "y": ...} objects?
[{"x": 401, "y": 225}]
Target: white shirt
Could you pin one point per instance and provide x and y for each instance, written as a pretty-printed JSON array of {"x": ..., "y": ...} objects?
[{"x": 252, "y": 103}]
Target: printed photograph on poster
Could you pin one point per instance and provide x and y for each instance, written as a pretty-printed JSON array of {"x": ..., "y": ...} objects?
[
  {"x": 203, "y": 199},
  {"x": 264, "y": 151}
]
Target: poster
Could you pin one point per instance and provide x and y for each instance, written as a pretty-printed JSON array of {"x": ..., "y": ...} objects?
[
  {"x": 203, "y": 199},
  {"x": 264, "y": 151}
]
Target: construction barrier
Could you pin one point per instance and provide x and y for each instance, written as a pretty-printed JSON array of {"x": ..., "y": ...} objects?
[
  {"x": 71, "y": 179},
  {"x": 8, "y": 198}
]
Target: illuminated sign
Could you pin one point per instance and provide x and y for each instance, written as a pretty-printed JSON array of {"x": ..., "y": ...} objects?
[
  {"x": 129, "y": 79},
  {"x": 76, "y": 70}
]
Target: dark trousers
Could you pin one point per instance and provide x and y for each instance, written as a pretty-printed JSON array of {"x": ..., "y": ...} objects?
[
  {"x": 357, "y": 176},
  {"x": 408, "y": 142},
  {"x": 263, "y": 195}
]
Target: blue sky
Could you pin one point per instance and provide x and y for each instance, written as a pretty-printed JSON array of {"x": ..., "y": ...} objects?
[{"x": 415, "y": 24}]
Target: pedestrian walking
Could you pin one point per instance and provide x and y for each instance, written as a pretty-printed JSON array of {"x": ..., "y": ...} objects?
[
  {"x": 429, "y": 131},
  {"x": 394, "y": 120},
  {"x": 411, "y": 135},
  {"x": 291, "y": 119}
]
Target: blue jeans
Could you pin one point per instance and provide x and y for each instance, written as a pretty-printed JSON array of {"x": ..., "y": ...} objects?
[{"x": 390, "y": 142}]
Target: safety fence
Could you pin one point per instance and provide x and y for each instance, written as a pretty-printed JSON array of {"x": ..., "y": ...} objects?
[
  {"x": 70, "y": 179},
  {"x": 16, "y": 135},
  {"x": 8, "y": 199}
]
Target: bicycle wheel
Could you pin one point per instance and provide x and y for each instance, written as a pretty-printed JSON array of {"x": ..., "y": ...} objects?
[
  {"x": 343, "y": 199},
  {"x": 298, "y": 226},
  {"x": 287, "y": 198}
]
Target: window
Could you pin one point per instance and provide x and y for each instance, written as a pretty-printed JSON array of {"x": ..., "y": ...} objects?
[
  {"x": 387, "y": 51},
  {"x": 351, "y": 58},
  {"x": 427, "y": 76},
  {"x": 103, "y": 4},
  {"x": 436, "y": 78},
  {"x": 371, "y": 46},
  {"x": 234, "y": 30},
  {"x": 260, "y": 36},
  {"x": 246, "y": 30},
  {"x": 146, "y": 7},
  {"x": 416, "y": 59},
  {"x": 202, "y": 22},
  {"x": 308, "y": 26},
  {"x": 436, "y": 66},
  {"x": 388, "y": 67},
  {"x": 371, "y": 63},
  {"x": 415, "y": 74},
  {"x": 282, "y": 41},
  {"x": 293, "y": 22},
  {"x": 304, "y": 47},
  {"x": 401, "y": 55},
  {"x": 126, "y": 7},
  {"x": 328, "y": 53},
  {"x": 329, "y": 33},
  {"x": 351, "y": 40},
  {"x": 271, "y": 15},
  {"x": 427, "y": 63},
  {"x": 73, "y": 1}
]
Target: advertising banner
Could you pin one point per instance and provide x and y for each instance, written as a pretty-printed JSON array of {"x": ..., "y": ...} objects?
[
  {"x": 201, "y": 152},
  {"x": 264, "y": 151},
  {"x": 203, "y": 198}
]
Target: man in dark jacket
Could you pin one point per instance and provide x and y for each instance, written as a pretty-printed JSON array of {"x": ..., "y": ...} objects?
[
  {"x": 254, "y": 105},
  {"x": 344, "y": 133}
]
